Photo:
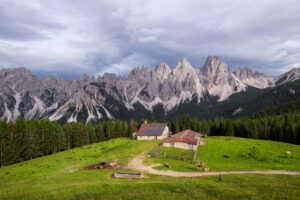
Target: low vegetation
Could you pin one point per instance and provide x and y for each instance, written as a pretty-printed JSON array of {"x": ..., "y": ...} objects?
[
  {"x": 62, "y": 176},
  {"x": 232, "y": 153}
]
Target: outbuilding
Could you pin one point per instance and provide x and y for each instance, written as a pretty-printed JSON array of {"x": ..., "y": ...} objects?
[
  {"x": 152, "y": 131},
  {"x": 188, "y": 140}
]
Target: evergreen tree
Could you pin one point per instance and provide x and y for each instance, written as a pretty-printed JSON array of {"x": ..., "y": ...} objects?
[
  {"x": 229, "y": 131},
  {"x": 133, "y": 127},
  {"x": 125, "y": 131},
  {"x": 251, "y": 129},
  {"x": 29, "y": 140},
  {"x": 92, "y": 133},
  {"x": 100, "y": 132},
  {"x": 3, "y": 131},
  {"x": 12, "y": 150},
  {"x": 118, "y": 128},
  {"x": 176, "y": 127},
  {"x": 67, "y": 128},
  {"x": 20, "y": 131},
  {"x": 297, "y": 131}
]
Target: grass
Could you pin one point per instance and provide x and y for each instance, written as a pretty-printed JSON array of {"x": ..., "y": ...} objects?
[
  {"x": 60, "y": 176},
  {"x": 176, "y": 152},
  {"x": 230, "y": 153}
]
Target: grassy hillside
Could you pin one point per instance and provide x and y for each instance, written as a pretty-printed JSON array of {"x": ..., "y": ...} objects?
[
  {"x": 230, "y": 153},
  {"x": 61, "y": 176}
]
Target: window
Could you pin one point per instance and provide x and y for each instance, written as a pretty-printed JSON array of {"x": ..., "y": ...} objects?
[
  {"x": 148, "y": 137},
  {"x": 191, "y": 146},
  {"x": 172, "y": 144}
]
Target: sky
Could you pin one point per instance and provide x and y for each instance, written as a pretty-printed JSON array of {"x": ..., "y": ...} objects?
[{"x": 67, "y": 38}]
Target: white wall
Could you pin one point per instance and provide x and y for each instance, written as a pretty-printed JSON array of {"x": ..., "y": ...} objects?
[{"x": 163, "y": 136}]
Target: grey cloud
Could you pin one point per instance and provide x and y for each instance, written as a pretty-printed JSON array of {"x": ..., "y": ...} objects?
[
  {"x": 21, "y": 23},
  {"x": 119, "y": 35}
]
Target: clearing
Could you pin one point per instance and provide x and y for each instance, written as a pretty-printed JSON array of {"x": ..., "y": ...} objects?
[
  {"x": 62, "y": 176},
  {"x": 233, "y": 154}
]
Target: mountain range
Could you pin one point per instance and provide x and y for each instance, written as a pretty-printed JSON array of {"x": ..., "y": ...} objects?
[{"x": 145, "y": 92}]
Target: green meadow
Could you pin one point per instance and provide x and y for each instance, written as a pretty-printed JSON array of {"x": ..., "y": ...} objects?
[
  {"x": 236, "y": 154},
  {"x": 62, "y": 175}
]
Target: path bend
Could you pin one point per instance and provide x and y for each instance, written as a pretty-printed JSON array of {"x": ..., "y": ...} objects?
[{"x": 137, "y": 164}]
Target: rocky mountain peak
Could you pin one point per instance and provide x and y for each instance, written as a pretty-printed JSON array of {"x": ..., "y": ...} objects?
[
  {"x": 243, "y": 73},
  {"x": 214, "y": 65},
  {"x": 162, "y": 70},
  {"x": 255, "y": 79},
  {"x": 183, "y": 69},
  {"x": 23, "y": 94},
  {"x": 292, "y": 75}
]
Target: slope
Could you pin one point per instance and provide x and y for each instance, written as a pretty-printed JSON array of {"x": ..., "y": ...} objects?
[{"x": 60, "y": 176}]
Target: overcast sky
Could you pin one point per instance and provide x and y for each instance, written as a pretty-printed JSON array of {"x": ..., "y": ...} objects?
[{"x": 70, "y": 37}]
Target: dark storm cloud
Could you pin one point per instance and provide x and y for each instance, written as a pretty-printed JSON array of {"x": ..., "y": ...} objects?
[{"x": 115, "y": 36}]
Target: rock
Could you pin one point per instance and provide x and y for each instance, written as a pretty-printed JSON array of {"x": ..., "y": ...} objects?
[{"x": 90, "y": 99}]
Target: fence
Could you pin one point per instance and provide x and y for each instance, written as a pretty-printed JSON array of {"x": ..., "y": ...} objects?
[{"x": 157, "y": 154}]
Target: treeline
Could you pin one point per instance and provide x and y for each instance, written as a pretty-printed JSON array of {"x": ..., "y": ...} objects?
[
  {"x": 25, "y": 140},
  {"x": 285, "y": 128}
]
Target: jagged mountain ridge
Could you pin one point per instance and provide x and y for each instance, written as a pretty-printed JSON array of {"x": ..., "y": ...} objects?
[
  {"x": 292, "y": 75},
  {"x": 24, "y": 95}
]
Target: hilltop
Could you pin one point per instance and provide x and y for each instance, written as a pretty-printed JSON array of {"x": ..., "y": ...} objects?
[{"x": 62, "y": 175}]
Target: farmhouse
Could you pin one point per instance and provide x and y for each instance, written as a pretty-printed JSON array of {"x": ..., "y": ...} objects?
[
  {"x": 188, "y": 140},
  {"x": 153, "y": 131}
]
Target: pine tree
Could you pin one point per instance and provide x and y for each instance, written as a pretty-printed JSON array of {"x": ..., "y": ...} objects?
[
  {"x": 251, "y": 129},
  {"x": 194, "y": 124},
  {"x": 229, "y": 131},
  {"x": 12, "y": 150},
  {"x": 28, "y": 140},
  {"x": 125, "y": 131},
  {"x": 92, "y": 133},
  {"x": 3, "y": 131},
  {"x": 20, "y": 131},
  {"x": 58, "y": 138},
  {"x": 133, "y": 127},
  {"x": 215, "y": 128},
  {"x": 297, "y": 132},
  {"x": 176, "y": 127},
  {"x": 67, "y": 128},
  {"x": 100, "y": 132},
  {"x": 118, "y": 128}
]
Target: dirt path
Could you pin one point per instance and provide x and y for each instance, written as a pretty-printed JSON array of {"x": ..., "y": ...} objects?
[{"x": 137, "y": 164}]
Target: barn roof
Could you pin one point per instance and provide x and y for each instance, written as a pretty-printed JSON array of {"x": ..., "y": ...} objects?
[
  {"x": 187, "y": 136},
  {"x": 154, "y": 129}
]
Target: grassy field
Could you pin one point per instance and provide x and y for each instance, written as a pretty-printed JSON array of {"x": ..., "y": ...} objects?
[
  {"x": 177, "y": 152},
  {"x": 61, "y": 176},
  {"x": 230, "y": 153}
]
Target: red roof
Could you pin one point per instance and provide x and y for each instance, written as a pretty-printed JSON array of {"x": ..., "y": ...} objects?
[
  {"x": 187, "y": 136},
  {"x": 144, "y": 128}
]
